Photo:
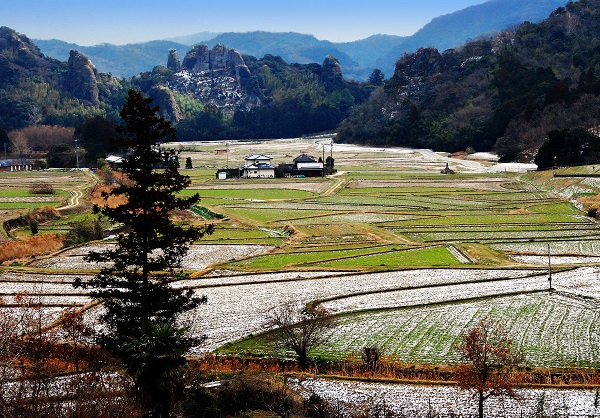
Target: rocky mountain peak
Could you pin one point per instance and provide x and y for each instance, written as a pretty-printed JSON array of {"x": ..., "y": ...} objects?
[
  {"x": 16, "y": 43},
  {"x": 426, "y": 61},
  {"x": 218, "y": 76},
  {"x": 173, "y": 62},
  {"x": 82, "y": 78},
  {"x": 332, "y": 67},
  {"x": 220, "y": 58}
]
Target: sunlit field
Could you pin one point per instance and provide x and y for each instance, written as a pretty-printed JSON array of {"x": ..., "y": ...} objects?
[{"x": 407, "y": 258}]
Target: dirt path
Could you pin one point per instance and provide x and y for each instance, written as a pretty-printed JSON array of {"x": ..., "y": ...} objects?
[
  {"x": 78, "y": 193},
  {"x": 338, "y": 184}
]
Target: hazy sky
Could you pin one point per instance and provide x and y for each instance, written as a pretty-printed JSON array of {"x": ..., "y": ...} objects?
[{"x": 88, "y": 22}]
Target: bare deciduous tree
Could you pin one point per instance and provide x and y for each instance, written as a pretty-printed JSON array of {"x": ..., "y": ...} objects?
[
  {"x": 488, "y": 362},
  {"x": 300, "y": 330}
]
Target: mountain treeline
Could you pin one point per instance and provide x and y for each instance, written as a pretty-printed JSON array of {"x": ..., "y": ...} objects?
[
  {"x": 358, "y": 58},
  {"x": 506, "y": 93},
  {"x": 233, "y": 97}
]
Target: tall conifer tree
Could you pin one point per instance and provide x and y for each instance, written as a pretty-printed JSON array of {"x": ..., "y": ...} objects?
[{"x": 141, "y": 308}]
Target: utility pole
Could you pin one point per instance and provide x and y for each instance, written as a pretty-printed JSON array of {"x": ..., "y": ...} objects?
[
  {"x": 77, "y": 153},
  {"x": 5, "y": 157},
  {"x": 331, "y": 156},
  {"x": 549, "y": 268},
  {"x": 226, "y": 155},
  {"x": 323, "y": 160}
]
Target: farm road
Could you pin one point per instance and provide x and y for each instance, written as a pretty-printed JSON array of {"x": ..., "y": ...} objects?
[
  {"x": 77, "y": 193},
  {"x": 338, "y": 184}
]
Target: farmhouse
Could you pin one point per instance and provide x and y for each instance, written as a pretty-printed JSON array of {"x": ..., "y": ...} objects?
[
  {"x": 257, "y": 166},
  {"x": 307, "y": 166},
  {"x": 16, "y": 164}
]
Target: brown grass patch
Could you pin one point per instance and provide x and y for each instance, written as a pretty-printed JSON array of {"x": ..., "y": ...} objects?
[
  {"x": 38, "y": 245},
  {"x": 97, "y": 198},
  {"x": 391, "y": 369},
  {"x": 40, "y": 215}
]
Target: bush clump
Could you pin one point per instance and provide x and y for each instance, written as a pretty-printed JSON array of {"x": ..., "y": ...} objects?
[
  {"x": 42, "y": 188},
  {"x": 83, "y": 231}
]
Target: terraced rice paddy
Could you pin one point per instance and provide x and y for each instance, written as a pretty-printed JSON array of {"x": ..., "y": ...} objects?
[
  {"x": 427, "y": 401},
  {"x": 406, "y": 258}
]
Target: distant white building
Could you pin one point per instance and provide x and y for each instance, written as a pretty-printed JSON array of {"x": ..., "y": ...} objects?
[
  {"x": 114, "y": 161},
  {"x": 257, "y": 166}
]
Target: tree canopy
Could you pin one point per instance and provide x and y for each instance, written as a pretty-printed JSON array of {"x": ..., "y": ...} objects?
[
  {"x": 568, "y": 147},
  {"x": 488, "y": 358}
]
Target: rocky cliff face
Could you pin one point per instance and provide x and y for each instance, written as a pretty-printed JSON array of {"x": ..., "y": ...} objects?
[
  {"x": 217, "y": 76},
  {"x": 220, "y": 58},
  {"x": 413, "y": 71},
  {"x": 82, "y": 78},
  {"x": 16, "y": 44},
  {"x": 173, "y": 62},
  {"x": 164, "y": 98},
  {"x": 332, "y": 69}
]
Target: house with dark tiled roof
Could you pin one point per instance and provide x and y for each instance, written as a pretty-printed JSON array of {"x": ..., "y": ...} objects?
[
  {"x": 257, "y": 166},
  {"x": 307, "y": 166}
]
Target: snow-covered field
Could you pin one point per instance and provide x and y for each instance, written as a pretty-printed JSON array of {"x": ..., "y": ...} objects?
[
  {"x": 576, "y": 247},
  {"x": 449, "y": 401},
  {"x": 198, "y": 257},
  {"x": 540, "y": 259},
  {"x": 235, "y": 311}
]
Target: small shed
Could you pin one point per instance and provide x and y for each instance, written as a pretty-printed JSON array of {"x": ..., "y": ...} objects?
[{"x": 114, "y": 161}]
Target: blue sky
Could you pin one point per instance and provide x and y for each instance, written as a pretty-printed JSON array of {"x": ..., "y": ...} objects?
[{"x": 128, "y": 21}]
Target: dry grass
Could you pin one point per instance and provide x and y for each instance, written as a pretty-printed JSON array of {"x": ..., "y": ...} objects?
[
  {"x": 38, "y": 245},
  {"x": 97, "y": 198}
]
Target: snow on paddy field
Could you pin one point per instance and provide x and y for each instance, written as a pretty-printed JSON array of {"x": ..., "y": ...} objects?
[
  {"x": 543, "y": 260},
  {"x": 446, "y": 293},
  {"x": 233, "y": 312},
  {"x": 198, "y": 257},
  {"x": 238, "y": 305},
  {"x": 570, "y": 248},
  {"x": 552, "y": 329},
  {"x": 512, "y": 168},
  {"x": 424, "y": 401}
]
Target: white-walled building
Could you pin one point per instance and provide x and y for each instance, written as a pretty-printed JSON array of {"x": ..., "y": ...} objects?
[{"x": 258, "y": 166}]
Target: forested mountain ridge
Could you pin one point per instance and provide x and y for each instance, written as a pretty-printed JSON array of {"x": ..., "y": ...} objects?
[
  {"x": 220, "y": 94},
  {"x": 506, "y": 93},
  {"x": 457, "y": 28},
  {"x": 211, "y": 94}
]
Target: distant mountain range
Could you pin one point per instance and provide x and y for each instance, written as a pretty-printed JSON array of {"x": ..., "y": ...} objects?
[{"x": 358, "y": 59}]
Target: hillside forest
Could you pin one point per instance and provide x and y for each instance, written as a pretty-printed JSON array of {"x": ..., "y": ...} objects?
[{"x": 506, "y": 93}]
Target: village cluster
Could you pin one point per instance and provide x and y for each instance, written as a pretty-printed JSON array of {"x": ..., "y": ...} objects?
[{"x": 260, "y": 166}]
